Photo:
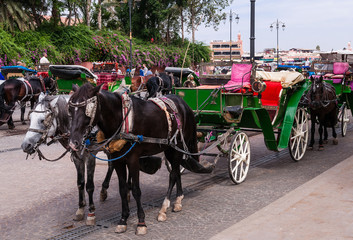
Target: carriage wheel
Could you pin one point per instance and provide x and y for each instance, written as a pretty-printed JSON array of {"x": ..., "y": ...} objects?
[
  {"x": 344, "y": 120},
  {"x": 169, "y": 167},
  {"x": 298, "y": 141},
  {"x": 239, "y": 157}
]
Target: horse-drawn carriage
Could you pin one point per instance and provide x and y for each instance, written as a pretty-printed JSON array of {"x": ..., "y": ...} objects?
[
  {"x": 66, "y": 75},
  {"x": 16, "y": 71},
  {"x": 226, "y": 106},
  {"x": 338, "y": 74}
]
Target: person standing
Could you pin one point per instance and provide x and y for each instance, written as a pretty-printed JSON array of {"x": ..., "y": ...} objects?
[
  {"x": 44, "y": 59},
  {"x": 145, "y": 70}
]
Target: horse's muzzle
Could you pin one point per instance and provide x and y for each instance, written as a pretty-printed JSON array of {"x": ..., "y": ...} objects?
[{"x": 27, "y": 148}]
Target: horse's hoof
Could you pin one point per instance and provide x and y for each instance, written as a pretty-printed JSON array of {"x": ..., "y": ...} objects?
[
  {"x": 335, "y": 141},
  {"x": 24, "y": 123},
  {"x": 91, "y": 219},
  {"x": 121, "y": 228},
  {"x": 177, "y": 207},
  {"x": 103, "y": 195},
  {"x": 12, "y": 127},
  {"x": 162, "y": 217},
  {"x": 141, "y": 230},
  {"x": 79, "y": 214},
  {"x": 321, "y": 148}
]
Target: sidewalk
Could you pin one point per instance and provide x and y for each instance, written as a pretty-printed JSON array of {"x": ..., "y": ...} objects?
[{"x": 319, "y": 209}]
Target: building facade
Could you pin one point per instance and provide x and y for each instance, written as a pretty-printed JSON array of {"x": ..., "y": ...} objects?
[{"x": 221, "y": 49}]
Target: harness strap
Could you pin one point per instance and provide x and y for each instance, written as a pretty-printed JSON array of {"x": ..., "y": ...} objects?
[{"x": 127, "y": 108}]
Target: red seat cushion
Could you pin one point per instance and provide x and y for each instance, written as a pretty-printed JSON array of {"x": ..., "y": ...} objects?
[{"x": 270, "y": 97}]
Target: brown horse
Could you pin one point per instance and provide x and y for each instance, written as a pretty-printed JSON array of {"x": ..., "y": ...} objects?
[
  {"x": 323, "y": 107},
  {"x": 18, "y": 90},
  {"x": 89, "y": 106}
]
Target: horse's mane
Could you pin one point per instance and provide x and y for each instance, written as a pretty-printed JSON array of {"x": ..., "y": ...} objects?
[{"x": 62, "y": 115}]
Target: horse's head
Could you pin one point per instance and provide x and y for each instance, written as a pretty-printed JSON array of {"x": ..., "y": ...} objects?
[
  {"x": 82, "y": 107},
  {"x": 43, "y": 123},
  {"x": 316, "y": 93}
]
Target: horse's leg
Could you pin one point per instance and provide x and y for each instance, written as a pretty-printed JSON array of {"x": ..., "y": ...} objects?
[
  {"x": 321, "y": 146},
  {"x": 23, "y": 109},
  {"x": 10, "y": 123},
  {"x": 174, "y": 178},
  {"x": 325, "y": 135},
  {"x": 334, "y": 134},
  {"x": 312, "y": 140},
  {"x": 120, "y": 168},
  {"x": 105, "y": 184},
  {"x": 91, "y": 165},
  {"x": 134, "y": 172},
  {"x": 80, "y": 168}
]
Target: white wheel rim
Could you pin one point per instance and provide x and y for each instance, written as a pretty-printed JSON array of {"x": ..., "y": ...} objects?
[
  {"x": 239, "y": 157},
  {"x": 299, "y": 136},
  {"x": 345, "y": 120}
]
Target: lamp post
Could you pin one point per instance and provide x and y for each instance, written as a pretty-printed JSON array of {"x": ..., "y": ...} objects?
[
  {"x": 230, "y": 20},
  {"x": 277, "y": 26}
]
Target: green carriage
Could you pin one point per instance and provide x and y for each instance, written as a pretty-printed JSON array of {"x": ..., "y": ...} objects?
[
  {"x": 66, "y": 75},
  {"x": 228, "y": 114}
]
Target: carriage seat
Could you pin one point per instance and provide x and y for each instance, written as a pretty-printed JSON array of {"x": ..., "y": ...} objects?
[
  {"x": 240, "y": 78},
  {"x": 270, "y": 98},
  {"x": 339, "y": 71}
]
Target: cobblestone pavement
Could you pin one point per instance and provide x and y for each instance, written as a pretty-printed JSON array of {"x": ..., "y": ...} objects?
[{"x": 39, "y": 198}]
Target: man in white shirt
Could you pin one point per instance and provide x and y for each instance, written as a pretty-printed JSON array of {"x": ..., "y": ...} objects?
[{"x": 44, "y": 59}]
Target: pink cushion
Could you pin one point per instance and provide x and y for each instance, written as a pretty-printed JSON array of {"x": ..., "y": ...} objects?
[
  {"x": 337, "y": 76},
  {"x": 328, "y": 75},
  {"x": 240, "y": 76},
  {"x": 340, "y": 67}
]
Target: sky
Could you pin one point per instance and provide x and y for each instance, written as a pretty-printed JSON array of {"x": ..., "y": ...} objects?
[{"x": 309, "y": 23}]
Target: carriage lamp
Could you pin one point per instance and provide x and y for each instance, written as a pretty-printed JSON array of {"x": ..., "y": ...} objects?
[{"x": 277, "y": 23}]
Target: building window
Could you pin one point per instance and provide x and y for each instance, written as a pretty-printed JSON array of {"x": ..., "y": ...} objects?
[
  {"x": 225, "y": 45},
  {"x": 234, "y": 45},
  {"x": 216, "y": 46}
]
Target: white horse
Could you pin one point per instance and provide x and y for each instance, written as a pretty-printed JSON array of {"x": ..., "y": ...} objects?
[{"x": 50, "y": 120}]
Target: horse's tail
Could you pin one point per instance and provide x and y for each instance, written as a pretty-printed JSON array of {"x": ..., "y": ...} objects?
[{"x": 191, "y": 162}]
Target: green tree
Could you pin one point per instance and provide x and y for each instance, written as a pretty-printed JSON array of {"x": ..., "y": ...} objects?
[
  {"x": 208, "y": 12},
  {"x": 13, "y": 15},
  {"x": 318, "y": 48}
]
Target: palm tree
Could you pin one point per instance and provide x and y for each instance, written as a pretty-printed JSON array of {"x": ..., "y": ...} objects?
[{"x": 13, "y": 15}]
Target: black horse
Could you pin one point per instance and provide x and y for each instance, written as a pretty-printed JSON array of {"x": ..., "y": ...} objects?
[
  {"x": 89, "y": 106},
  {"x": 18, "y": 90},
  {"x": 323, "y": 105},
  {"x": 162, "y": 83}
]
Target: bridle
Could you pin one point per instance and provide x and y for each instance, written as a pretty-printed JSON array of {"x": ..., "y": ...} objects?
[
  {"x": 48, "y": 122},
  {"x": 90, "y": 111}
]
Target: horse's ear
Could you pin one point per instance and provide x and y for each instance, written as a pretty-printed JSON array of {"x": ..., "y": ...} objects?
[
  {"x": 311, "y": 78},
  {"x": 41, "y": 97},
  {"x": 97, "y": 89},
  {"x": 321, "y": 79},
  {"x": 75, "y": 87}
]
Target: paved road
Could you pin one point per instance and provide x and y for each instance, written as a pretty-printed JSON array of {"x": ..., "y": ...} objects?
[{"x": 39, "y": 198}]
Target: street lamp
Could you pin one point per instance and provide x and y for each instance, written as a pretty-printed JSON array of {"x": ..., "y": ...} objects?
[
  {"x": 277, "y": 26},
  {"x": 230, "y": 20}
]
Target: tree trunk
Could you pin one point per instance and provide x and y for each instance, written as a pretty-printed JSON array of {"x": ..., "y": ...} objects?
[
  {"x": 55, "y": 12},
  {"x": 36, "y": 16},
  {"x": 99, "y": 20},
  {"x": 88, "y": 14}
]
